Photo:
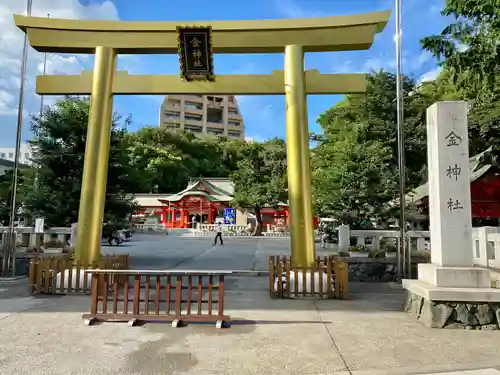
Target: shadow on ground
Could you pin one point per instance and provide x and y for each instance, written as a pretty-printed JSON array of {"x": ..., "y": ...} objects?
[{"x": 242, "y": 293}]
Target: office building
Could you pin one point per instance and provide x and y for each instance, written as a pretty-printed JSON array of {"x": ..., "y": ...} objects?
[
  {"x": 8, "y": 153},
  {"x": 203, "y": 115}
]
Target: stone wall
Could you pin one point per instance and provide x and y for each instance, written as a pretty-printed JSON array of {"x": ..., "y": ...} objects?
[
  {"x": 453, "y": 315},
  {"x": 22, "y": 265},
  {"x": 374, "y": 270}
]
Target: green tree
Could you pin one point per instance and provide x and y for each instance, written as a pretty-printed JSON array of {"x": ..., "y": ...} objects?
[
  {"x": 352, "y": 178},
  {"x": 373, "y": 115},
  {"x": 156, "y": 166},
  {"x": 164, "y": 161},
  {"x": 58, "y": 152},
  {"x": 260, "y": 177},
  {"x": 6, "y": 193},
  {"x": 469, "y": 52},
  {"x": 361, "y": 131},
  {"x": 469, "y": 46}
]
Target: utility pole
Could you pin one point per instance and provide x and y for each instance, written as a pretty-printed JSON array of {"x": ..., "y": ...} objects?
[
  {"x": 9, "y": 251},
  {"x": 402, "y": 255}
]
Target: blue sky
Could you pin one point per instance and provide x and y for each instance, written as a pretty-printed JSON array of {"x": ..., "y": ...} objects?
[{"x": 263, "y": 115}]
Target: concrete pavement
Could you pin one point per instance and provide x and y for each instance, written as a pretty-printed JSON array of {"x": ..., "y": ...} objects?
[{"x": 366, "y": 335}]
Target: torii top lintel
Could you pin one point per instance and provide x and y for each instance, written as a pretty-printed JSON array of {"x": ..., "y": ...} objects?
[{"x": 338, "y": 33}]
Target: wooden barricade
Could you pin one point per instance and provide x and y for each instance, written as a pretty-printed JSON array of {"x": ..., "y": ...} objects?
[
  {"x": 327, "y": 279},
  {"x": 64, "y": 275},
  {"x": 157, "y": 296}
]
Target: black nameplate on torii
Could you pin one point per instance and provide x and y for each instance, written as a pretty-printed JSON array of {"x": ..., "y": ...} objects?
[{"x": 195, "y": 53}]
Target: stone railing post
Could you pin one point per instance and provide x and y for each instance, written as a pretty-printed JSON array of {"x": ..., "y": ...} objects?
[
  {"x": 344, "y": 237},
  {"x": 72, "y": 237}
]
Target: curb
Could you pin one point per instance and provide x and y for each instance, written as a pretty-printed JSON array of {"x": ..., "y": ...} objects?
[
  {"x": 11, "y": 280},
  {"x": 209, "y": 236},
  {"x": 249, "y": 273}
]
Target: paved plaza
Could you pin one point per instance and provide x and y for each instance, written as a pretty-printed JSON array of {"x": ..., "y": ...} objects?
[
  {"x": 157, "y": 251},
  {"x": 368, "y": 334}
]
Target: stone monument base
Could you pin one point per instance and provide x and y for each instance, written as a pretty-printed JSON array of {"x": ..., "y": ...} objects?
[
  {"x": 459, "y": 308},
  {"x": 454, "y": 277}
]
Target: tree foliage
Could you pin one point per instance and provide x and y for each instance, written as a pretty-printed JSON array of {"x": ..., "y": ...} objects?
[
  {"x": 151, "y": 160},
  {"x": 165, "y": 161},
  {"x": 469, "y": 46},
  {"x": 58, "y": 152},
  {"x": 260, "y": 176},
  {"x": 363, "y": 127},
  {"x": 469, "y": 51},
  {"x": 355, "y": 165}
]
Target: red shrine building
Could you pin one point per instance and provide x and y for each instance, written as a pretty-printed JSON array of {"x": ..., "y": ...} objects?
[
  {"x": 204, "y": 201},
  {"x": 484, "y": 185}
]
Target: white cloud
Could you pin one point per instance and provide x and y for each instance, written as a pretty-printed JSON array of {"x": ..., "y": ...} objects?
[
  {"x": 289, "y": 9},
  {"x": 430, "y": 75},
  {"x": 7, "y": 103},
  {"x": 420, "y": 60},
  {"x": 344, "y": 67},
  {"x": 387, "y": 62},
  {"x": 11, "y": 44}
]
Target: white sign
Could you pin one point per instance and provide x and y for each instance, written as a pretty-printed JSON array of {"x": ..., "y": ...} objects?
[{"x": 39, "y": 224}]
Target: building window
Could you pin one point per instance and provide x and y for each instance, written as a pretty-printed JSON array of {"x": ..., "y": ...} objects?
[
  {"x": 171, "y": 114},
  {"x": 234, "y": 134},
  {"x": 214, "y": 115},
  {"x": 171, "y": 125},
  {"x": 193, "y": 129},
  {"x": 213, "y": 131},
  {"x": 11, "y": 155},
  {"x": 232, "y": 111},
  {"x": 191, "y": 105},
  {"x": 2, "y": 155},
  {"x": 192, "y": 117},
  {"x": 233, "y": 123},
  {"x": 174, "y": 103}
]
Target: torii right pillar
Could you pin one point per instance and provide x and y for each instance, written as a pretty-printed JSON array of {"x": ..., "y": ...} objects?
[{"x": 450, "y": 292}]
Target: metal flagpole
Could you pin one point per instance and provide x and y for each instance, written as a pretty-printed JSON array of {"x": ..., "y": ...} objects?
[
  {"x": 401, "y": 145},
  {"x": 44, "y": 71},
  {"x": 9, "y": 252}
]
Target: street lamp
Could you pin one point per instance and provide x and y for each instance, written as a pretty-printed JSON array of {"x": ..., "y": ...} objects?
[{"x": 9, "y": 251}]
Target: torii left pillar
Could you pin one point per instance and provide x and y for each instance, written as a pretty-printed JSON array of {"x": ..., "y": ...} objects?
[{"x": 95, "y": 169}]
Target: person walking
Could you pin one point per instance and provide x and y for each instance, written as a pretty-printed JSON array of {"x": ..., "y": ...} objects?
[
  {"x": 218, "y": 235},
  {"x": 324, "y": 234}
]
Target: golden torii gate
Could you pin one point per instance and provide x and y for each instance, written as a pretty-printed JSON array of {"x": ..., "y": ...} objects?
[{"x": 293, "y": 37}]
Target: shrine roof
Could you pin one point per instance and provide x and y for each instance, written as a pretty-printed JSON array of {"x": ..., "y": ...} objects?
[
  {"x": 220, "y": 189},
  {"x": 149, "y": 200},
  {"x": 478, "y": 165}
]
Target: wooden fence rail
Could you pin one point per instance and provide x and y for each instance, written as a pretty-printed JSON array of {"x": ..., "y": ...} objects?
[
  {"x": 157, "y": 296},
  {"x": 327, "y": 279},
  {"x": 63, "y": 274}
]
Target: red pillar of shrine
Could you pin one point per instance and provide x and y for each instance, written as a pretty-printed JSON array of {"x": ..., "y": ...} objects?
[
  {"x": 163, "y": 217},
  {"x": 210, "y": 214},
  {"x": 181, "y": 223},
  {"x": 186, "y": 217}
]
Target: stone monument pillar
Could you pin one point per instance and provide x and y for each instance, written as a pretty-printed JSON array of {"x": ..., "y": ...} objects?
[{"x": 451, "y": 275}]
